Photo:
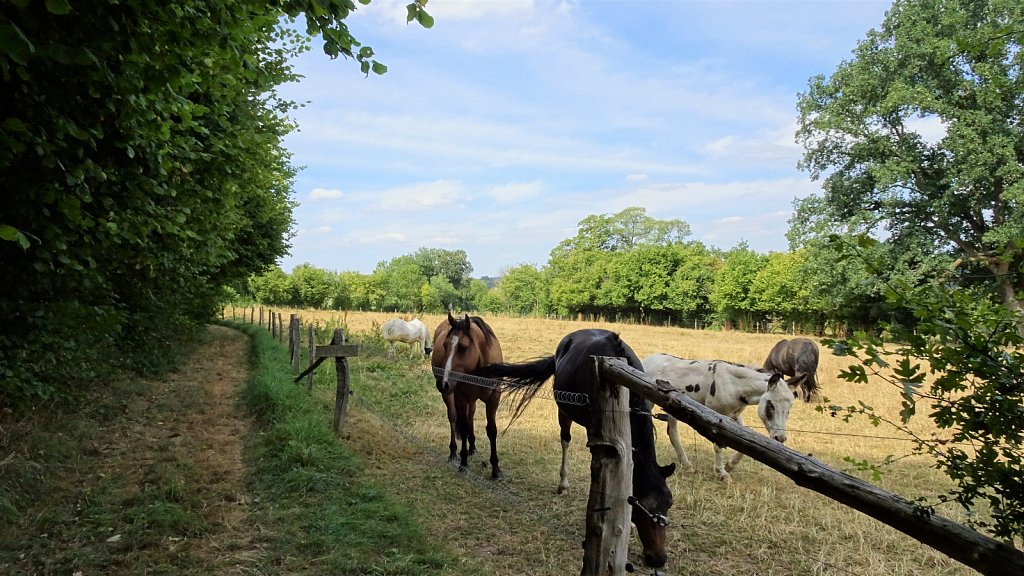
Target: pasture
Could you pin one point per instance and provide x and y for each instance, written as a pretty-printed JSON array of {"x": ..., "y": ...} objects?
[{"x": 761, "y": 523}]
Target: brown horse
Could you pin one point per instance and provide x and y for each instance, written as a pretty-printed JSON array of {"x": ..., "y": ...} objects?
[
  {"x": 463, "y": 347},
  {"x": 571, "y": 368},
  {"x": 795, "y": 357}
]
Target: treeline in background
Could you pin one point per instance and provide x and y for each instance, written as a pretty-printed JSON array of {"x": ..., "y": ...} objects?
[{"x": 629, "y": 267}]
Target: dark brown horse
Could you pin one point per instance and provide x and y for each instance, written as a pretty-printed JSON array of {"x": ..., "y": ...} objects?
[
  {"x": 571, "y": 366},
  {"x": 795, "y": 357},
  {"x": 463, "y": 347}
]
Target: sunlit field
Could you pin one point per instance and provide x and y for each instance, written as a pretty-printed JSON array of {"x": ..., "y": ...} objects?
[{"x": 761, "y": 523}]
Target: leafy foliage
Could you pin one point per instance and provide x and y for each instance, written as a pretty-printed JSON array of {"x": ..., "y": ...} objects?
[
  {"x": 963, "y": 359},
  {"x": 142, "y": 165},
  {"x": 919, "y": 134}
]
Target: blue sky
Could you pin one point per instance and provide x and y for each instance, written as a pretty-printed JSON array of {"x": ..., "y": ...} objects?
[{"x": 502, "y": 127}]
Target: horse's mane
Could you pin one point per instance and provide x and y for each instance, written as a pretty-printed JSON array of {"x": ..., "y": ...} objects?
[{"x": 484, "y": 327}]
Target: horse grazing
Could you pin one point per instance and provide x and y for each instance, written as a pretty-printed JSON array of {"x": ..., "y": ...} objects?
[
  {"x": 414, "y": 333},
  {"x": 572, "y": 368},
  {"x": 464, "y": 346},
  {"x": 794, "y": 357},
  {"x": 727, "y": 389}
]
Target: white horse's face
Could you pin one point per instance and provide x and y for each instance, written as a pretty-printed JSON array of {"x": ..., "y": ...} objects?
[{"x": 774, "y": 407}]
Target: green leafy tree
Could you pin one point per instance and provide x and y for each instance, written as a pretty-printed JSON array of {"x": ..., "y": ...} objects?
[
  {"x": 438, "y": 295},
  {"x": 452, "y": 265},
  {"x": 361, "y": 290},
  {"x": 732, "y": 295},
  {"x": 576, "y": 277},
  {"x": 963, "y": 359},
  {"x": 479, "y": 296},
  {"x": 314, "y": 287},
  {"x": 400, "y": 281},
  {"x": 624, "y": 230},
  {"x": 954, "y": 66},
  {"x": 846, "y": 294},
  {"x": 693, "y": 280},
  {"x": 142, "y": 169},
  {"x": 523, "y": 290},
  {"x": 272, "y": 287}
]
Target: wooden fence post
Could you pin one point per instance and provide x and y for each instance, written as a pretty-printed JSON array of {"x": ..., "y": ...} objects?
[
  {"x": 273, "y": 325},
  {"x": 312, "y": 354},
  {"x": 261, "y": 316},
  {"x": 606, "y": 546},
  {"x": 295, "y": 342},
  {"x": 341, "y": 395}
]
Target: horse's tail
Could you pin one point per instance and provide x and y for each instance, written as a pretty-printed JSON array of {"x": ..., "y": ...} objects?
[{"x": 523, "y": 380}]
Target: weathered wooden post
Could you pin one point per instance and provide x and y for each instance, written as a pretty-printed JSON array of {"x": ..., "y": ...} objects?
[
  {"x": 273, "y": 325},
  {"x": 261, "y": 316},
  {"x": 310, "y": 356},
  {"x": 295, "y": 342},
  {"x": 611, "y": 475},
  {"x": 340, "y": 351},
  {"x": 252, "y": 315}
]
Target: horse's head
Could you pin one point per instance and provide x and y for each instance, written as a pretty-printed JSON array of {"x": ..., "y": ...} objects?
[
  {"x": 775, "y": 403},
  {"x": 457, "y": 348},
  {"x": 650, "y": 511}
]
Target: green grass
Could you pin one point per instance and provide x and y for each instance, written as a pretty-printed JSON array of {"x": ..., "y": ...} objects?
[{"x": 326, "y": 519}]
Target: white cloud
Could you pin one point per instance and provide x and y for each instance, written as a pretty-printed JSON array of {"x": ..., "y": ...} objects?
[
  {"x": 719, "y": 146},
  {"x": 320, "y": 230},
  {"x": 515, "y": 192},
  {"x": 428, "y": 195},
  {"x": 325, "y": 194},
  {"x": 636, "y": 177},
  {"x": 385, "y": 238},
  {"x": 931, "y": 128}
]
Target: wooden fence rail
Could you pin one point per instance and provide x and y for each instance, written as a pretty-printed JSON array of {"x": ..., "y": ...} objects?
[{"x": 986, "y": 555}]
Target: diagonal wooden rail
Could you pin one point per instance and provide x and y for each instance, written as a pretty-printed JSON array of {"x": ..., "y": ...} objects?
[{"x": 963, "y": 544}]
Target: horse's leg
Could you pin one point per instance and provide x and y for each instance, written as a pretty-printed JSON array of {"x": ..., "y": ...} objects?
[
  {"x": 720, "y": 470},
  {"x": 563, "y": 474},
  {"x": 470, "y": 414},
  {"x": 673, "y": 434},
  {"x": 492, "y": 434},
  {"x": 738, "y": 455},
  {"x": 465, "y": 423},
  {"x": 449, "y": 402}
]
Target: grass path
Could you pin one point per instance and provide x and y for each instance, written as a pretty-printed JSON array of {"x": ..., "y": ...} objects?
[{"x": 147, "y": 478}]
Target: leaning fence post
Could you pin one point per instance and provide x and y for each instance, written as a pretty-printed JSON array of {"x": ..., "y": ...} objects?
[
  {"x": 611, "y": 474},
  {"x": 341, "y": 396},
  {"x": 295, "y": 342},
  {"x": 312, "y": 353}
]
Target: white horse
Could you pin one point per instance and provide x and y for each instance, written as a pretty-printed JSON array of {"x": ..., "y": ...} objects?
[
  {"x": 414, "y": 333},
  {"x": 726, "y": 388}
]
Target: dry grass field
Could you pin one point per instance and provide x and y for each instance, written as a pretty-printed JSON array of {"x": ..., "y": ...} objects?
[{"x": 761, "y": 523}]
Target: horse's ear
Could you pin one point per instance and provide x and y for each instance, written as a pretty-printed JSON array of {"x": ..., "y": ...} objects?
[
  {"x": 466, "y": 314},
  {"x": 451, "y": 320},
  {"x": 774, "y": 380},
  {"x": 667, "y": 470}
]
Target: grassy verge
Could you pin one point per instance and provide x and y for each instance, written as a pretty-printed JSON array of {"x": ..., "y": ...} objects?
[
  {"x": 81, "y": 492},
  {"x": 324, "y": 517}
]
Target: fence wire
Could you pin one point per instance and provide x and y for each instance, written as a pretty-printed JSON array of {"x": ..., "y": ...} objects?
[{"x": 575, "y": 398}]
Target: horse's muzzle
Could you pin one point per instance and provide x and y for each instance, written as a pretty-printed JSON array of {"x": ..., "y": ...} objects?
[{"x": 655, "y": 560}]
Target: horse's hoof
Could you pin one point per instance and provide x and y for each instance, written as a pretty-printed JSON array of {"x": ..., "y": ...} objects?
[
  {"x": 497, "y": 475},
  {"x": 463, "y": 468},
  {"x": 563, "y": 489},
  {"x": 453, "y": 459},
  {"x": 725, "y": 478}
]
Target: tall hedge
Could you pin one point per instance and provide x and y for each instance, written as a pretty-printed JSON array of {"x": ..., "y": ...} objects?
[{"x": 141, "y": 169}]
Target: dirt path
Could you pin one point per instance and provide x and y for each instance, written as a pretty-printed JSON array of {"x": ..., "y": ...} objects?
[{"x": 211, "y": 439}]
